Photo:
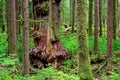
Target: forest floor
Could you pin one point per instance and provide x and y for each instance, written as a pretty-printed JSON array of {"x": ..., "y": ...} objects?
[{"x": 10, "y": 66}]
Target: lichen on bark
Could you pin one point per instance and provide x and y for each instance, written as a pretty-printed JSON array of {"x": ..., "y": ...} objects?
[{"x": 84, "y": 67}]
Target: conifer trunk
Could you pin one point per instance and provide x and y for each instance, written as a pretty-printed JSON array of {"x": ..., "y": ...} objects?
[
  {"x": 84, "y": 67},
  {"x": 72, "y": 14},
  {"x": 114, "y": 18},
  {"x": 90, "y": 22},
  {"x": 25, "y": 37},
  {"x": 109, "y": 33},
  {"x": 96, "y": 23},
  {"x": 100, "y": 17},
  {"x": 11, "y": 24}
]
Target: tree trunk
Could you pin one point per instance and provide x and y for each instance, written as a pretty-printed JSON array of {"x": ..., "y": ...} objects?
[
  {"x": 90, "y": 22},
  {"x": 72, "y": 14},
  {"x": 109, "y": 31},
  {"x": 48, "y": 47},
  {"x": 25, "y": 35},
  {"x": 118, "y": 14},
  {"x": 96, "y": 23},
  {"x": 114, "y": 18},
  {"x": 18, "y": 12},
  {"x": 83, "y": 54},
  {"x": 2, "y": 22},
  {"x": 100, "y": 17},
  {"x": 11, "y": 23}
]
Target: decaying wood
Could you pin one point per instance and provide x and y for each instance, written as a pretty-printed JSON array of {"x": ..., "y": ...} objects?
[
  {"x": 40, "y": 55},
  {"x": 48, "y": 48}
]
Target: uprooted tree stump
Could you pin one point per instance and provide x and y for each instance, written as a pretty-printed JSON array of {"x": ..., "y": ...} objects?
[{"x": 41, "y": 55}]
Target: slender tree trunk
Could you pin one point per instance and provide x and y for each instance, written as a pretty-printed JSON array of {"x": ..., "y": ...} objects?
[
  {"x": 117, "y": 14},
  {"x": 114, "y": 18},
  {"x": 90, "y": 17},
  {"x": 8, "y": 9},
  {"x": 11, "y": 23},
  {"x": 72, "y": 14},
  {"x": 83, "y": 54},
  {"x": 25, "y": 35},
  {"x": 96, "y": 23},
  {"x": 63, "y": 13},
  {"x": 18, "y": 12},
  {"x": 100, "y": 17},
  {"x": 2, "y": 24},
  {"x": 109, "y": 32}
]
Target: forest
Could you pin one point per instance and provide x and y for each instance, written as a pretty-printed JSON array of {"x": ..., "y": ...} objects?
[{"x": 60, "y": 40}]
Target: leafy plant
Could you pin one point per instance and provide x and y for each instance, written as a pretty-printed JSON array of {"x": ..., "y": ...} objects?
[{"x": 114, "y": 76}]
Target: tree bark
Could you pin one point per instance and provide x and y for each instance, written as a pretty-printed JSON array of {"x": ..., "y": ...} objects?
[
  {"x": 83, "y": 54},
  {"x": 114, "y": 18},
  {"x": 72, "y": 14},
  {"x": 48, "y": 47},
  {"x": 18, "y": 12},
  {"x": 11, "y": 23},
  {"x": 118, "y": 13},
  {"x": 90, "y": 22},
  {"x": 109, "y": 33},
  {"x": 100, "y": 17},
  {"x": 25, "y": 37},
  {"x": 96, "y": 23}
]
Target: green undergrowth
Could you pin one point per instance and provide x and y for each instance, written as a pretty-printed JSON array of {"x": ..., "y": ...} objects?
[
  {"x": 10, "y": 66},
  {"x": 10, "y": 69},
  {"x": 69, "y": 40},
  {"x": 19, "y": 46}
]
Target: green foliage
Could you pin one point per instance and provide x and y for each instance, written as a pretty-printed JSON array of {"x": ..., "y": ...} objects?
[
  {"x": 70, "y": 42},
  {"x": 9, "y": 72},
  {"x": 19, "y": 42},
  {"x": 2, "y": 13},
  {"x": 3, "y": 43},
  {"x": 4, "y": 75},
  {"x": 50, "y": 73},
  {"x": 114, "y": 76},
  {"x": 116, "y": 45}
]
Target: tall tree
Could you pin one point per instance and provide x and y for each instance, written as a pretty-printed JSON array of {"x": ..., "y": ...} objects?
[
  {"x": 100, "y": 17},
  {"x": 114, "y": 18},
  {"x": 118, "y": 13},
  {"x": 2, "y": 15},
  {"x": 96, "y": 23},
  {"x": 11, "y": 24},
  {"x": 25, "y": 37},
  {"x": 46, "y": 36},
  {"x": 109, "y": 31},
  {"x": 72, "y": 14},
  {"x": 90, "y": 22},
  {"x": 18, "y": 12},
  {"x": 83, "y": 54}
]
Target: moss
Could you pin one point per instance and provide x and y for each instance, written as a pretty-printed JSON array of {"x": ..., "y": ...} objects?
[{"x": 83, "y": 54}]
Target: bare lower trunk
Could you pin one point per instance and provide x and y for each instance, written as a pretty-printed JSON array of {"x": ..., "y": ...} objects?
[
  {"x": 72, "y": 14},
  {"x": 96, "y": 21},
  {"x": 100, "y": 17},
  {"x": 109, "y": 32},
  {"x": 18, "y": 12},
  {"x": 90, "y": 22},
  {"x": 114, "y": 18},
  {"x": 25, "y": 35},
  {"x": 11, "y": 24}
]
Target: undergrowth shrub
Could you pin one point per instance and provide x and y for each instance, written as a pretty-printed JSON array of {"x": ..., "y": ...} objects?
[{"x": 114, "y": 76}]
